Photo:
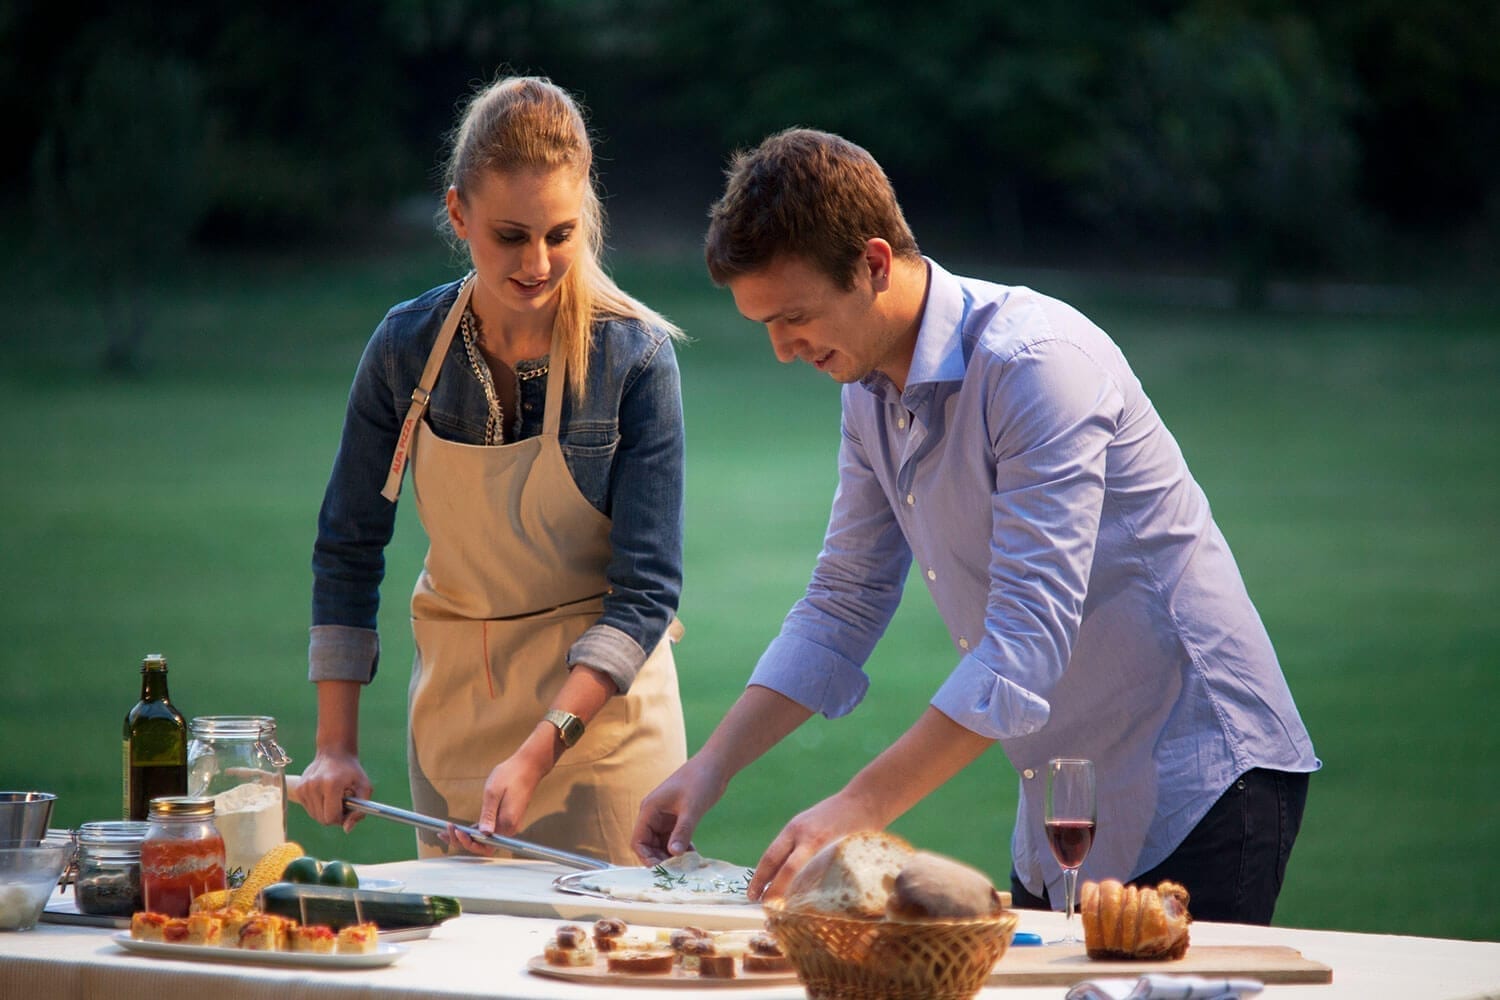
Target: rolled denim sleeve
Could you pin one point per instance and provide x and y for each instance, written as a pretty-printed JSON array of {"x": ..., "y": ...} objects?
[
  {"x": 609, "y": 651},
  {"x": 818, "y": 658},
  {"x": 342, "y": 653},
  {"x": 646, "y": 513},
  {"x": 355, "y": 523}
]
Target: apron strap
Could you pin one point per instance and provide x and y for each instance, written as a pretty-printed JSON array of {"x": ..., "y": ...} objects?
[{"x": 423, "y": 392}]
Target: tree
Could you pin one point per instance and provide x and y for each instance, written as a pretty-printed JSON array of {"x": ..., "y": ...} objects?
[
  {"x": 1224, "y": 131},
  {"x": 118, "y": 174}
]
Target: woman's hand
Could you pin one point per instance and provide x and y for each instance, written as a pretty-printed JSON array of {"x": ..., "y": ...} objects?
[
  {"x": 332, "y": 775},
  {"x": 508, "y": 790},
  {"x": 510, "y": 786}
]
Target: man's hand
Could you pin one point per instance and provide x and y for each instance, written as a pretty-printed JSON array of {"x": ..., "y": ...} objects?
[
  {"x": 670, "y": 814},
  {"x": 804, "y": 836},
  {"x": 929, "y": 753}
]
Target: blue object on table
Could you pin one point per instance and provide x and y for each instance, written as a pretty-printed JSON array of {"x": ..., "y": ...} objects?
[{"x": 1024, "y": 938}]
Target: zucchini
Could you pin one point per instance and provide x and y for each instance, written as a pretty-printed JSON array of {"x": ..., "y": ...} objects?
[{"x": 338, "y": 907}]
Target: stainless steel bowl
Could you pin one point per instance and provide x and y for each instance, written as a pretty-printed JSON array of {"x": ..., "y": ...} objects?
[{"x": 24, "y": 817}]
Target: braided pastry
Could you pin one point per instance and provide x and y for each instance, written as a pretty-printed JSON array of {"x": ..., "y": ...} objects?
[{"x": 1127, "y": 921}]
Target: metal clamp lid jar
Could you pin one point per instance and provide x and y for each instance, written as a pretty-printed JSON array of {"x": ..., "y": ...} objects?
[
  {"x": 236, "y": 760},
  {"x": 108, "y": 879}
]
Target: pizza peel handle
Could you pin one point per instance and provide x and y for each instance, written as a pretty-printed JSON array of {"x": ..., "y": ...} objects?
[{"x": 525, "y": 848}]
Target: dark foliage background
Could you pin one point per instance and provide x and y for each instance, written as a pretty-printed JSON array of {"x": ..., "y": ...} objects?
[{"x": 1252, "y": 139}]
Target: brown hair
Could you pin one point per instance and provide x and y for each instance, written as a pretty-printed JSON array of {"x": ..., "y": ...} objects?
[
  {"x": 805, "y": 193},
  {"x": 530, "y": 123}
]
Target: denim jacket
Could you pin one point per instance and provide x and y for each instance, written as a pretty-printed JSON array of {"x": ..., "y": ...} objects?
[{"x": 623, "y": 445}]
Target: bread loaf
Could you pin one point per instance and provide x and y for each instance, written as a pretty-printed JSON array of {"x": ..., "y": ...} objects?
[
  {"x": 850, "y": 877},
  {"x": 933, "y": 887}
]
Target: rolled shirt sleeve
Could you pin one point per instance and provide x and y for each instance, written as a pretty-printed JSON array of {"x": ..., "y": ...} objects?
[{"x": 1051, "y": 419}]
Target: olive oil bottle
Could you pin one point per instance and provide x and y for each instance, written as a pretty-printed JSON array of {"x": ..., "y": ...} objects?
[{"x": 155, "y": 748}]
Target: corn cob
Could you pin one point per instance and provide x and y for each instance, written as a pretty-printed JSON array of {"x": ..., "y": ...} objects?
[
  {"x": 266, "y": 871},
  {"x": 207, "y": 902}
]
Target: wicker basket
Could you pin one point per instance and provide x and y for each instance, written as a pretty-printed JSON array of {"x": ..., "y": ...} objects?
[{"x": 844, "y": 958}]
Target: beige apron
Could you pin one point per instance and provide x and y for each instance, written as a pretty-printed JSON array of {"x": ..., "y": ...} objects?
[{"x": 514, "y": 574}]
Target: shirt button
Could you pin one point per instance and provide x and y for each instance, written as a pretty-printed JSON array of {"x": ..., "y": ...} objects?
[
  {"x": 932, "y": 574},
  {"x": 1028, "y": 774},
  {"x": 910, "y": 500},
  {"x": 963, "y": 643},
  {"x": 900, "y": 421}
]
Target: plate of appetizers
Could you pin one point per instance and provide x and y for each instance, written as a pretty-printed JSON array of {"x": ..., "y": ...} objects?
[
  {"x": 688, "y": 956},
  {"x": 599, "y": 972},
  {"x": 384, "y": 954}
]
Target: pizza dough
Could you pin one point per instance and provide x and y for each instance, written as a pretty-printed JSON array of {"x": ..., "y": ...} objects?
[{"x": 688, "y": 878}]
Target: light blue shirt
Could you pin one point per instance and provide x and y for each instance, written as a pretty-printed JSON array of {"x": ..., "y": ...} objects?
[{"x": 1094, "y": 606}]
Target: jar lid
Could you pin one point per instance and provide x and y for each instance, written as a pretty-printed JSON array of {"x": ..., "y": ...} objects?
[
  {"x": 121, "y": 832},
  {"x": 181, "y": 805},
  {"x": 242, "y": 726}
]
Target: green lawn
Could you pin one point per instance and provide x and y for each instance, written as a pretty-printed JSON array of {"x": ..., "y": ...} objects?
[{"x": 1354, "y": 464}]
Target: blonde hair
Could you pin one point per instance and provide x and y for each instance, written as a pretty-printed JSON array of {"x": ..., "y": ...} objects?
[{"x": 529, "y": 123}]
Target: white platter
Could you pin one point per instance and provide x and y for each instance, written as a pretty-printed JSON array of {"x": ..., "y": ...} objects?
[
  {"x": 689, "y": 879},
  {"x": 381, "y": 884},
  {"x": 384, "y": 954},
  {"x": 62, "y": 909}
]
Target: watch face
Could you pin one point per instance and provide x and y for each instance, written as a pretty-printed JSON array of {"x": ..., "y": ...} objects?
[{"x": 569, "y": 726}]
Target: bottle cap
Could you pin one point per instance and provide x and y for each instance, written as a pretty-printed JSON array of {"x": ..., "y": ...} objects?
[{"x": 154, "y": 661}]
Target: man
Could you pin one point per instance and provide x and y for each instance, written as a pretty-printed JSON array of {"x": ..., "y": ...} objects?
[{"x": 998, "y": 438}]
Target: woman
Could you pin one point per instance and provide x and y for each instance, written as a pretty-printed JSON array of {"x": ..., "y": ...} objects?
[{"x": 539, "y": 409}]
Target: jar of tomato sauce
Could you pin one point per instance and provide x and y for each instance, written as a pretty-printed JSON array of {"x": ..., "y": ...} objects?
[{"x": 182, "y": 855}]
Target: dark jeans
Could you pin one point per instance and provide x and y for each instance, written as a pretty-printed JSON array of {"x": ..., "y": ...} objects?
[{"x": 1234, "y": 860}]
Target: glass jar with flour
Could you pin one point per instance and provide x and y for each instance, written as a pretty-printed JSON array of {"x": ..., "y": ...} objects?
[{"x": 236, "y": 760}]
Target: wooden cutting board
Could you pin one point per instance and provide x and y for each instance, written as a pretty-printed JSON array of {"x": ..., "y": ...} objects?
[{"x": 1066, "y": 964}]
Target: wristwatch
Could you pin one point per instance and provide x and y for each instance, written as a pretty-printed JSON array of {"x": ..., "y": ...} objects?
[{"x": 569, "y": 726}]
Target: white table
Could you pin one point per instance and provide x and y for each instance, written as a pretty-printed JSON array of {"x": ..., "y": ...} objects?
[{"x": 483, "y": 955}]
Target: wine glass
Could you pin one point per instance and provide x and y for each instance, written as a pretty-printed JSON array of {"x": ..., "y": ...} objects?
[{"x": 1070, "y": 825}]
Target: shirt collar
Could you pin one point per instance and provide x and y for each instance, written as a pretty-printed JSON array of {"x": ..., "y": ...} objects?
[{"x": 939, "y": 354}]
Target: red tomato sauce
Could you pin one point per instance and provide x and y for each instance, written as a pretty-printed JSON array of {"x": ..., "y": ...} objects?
[{"x": 175, "y": 871}]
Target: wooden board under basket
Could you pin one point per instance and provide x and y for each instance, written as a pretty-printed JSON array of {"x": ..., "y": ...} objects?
[{"x": 1065, "y": 965}]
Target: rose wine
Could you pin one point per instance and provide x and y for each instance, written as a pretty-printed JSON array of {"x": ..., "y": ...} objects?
[{"x": 1070, "y": 840}]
